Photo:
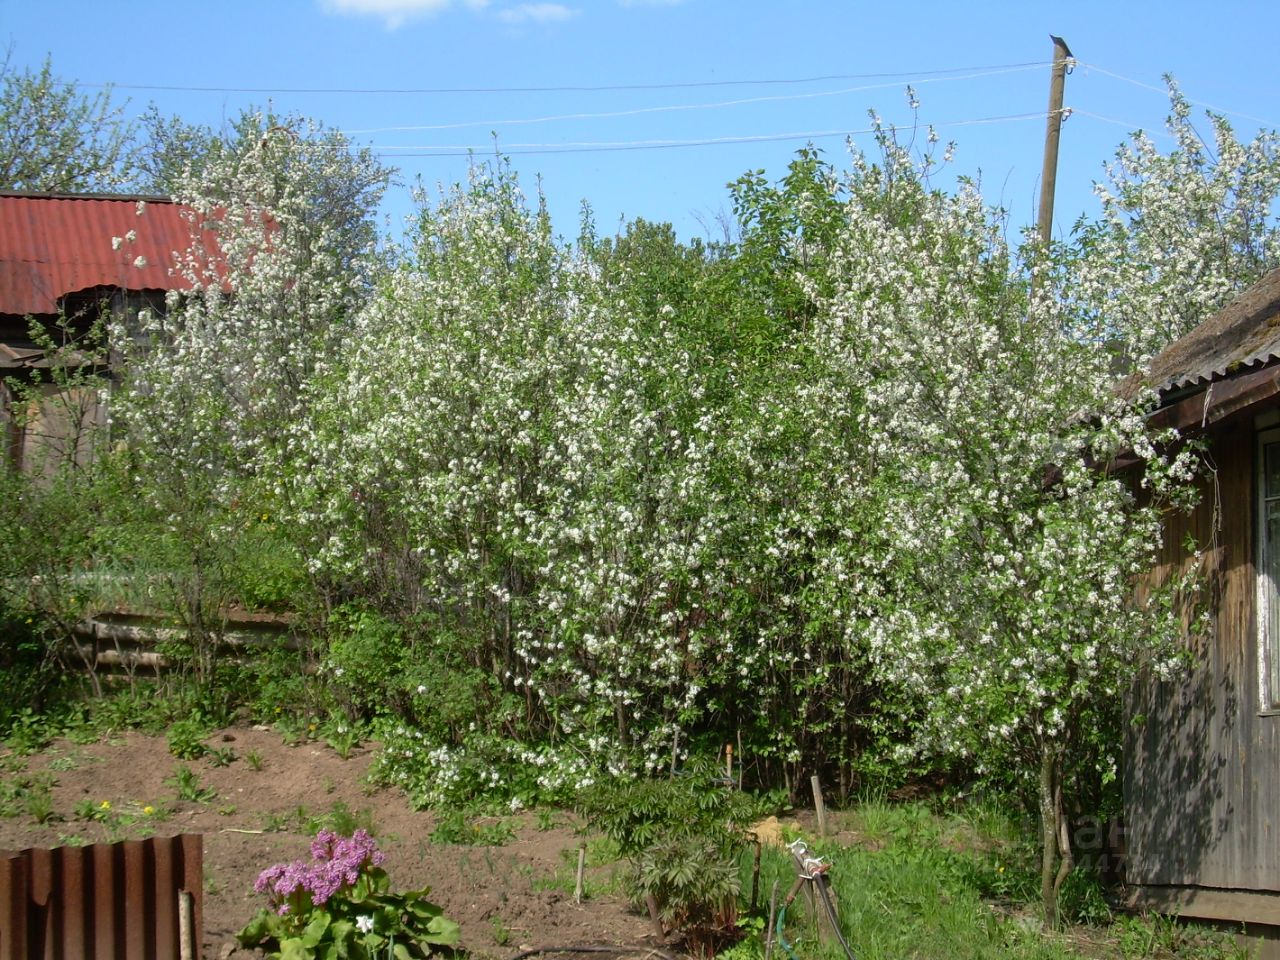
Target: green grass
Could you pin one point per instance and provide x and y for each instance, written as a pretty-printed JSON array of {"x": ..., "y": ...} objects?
[{"x": 953, "y": 885}]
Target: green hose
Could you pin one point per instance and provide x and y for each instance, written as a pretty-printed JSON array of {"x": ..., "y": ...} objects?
[
  {"x": 782, "y": 916},
  {"x": 831, "y": 915}
]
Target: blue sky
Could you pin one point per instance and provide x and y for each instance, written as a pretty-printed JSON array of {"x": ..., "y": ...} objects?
[{"x": 759, "y": 78}]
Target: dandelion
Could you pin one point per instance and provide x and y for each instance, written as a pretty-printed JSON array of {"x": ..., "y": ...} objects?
[
  {"x": 148, "y": 810},
  {"x": 105, "y": 805}
]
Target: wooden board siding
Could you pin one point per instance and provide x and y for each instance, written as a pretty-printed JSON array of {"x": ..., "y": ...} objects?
[{"x": 1202, "y": 762}]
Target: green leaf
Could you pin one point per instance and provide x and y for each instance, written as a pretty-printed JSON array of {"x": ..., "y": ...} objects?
[
  {"x": 441, "y": 930},
  {"x": 316, "y": 928},
  {"x": 263, "y": 926}
]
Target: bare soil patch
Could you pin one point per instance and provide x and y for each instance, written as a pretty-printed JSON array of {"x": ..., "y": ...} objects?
[{"x": 505, "y": 897}]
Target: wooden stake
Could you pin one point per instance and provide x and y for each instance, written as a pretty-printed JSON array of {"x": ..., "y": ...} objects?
[
  {"x": 741, "y": 754},
  {"x": 728, "y": 762},
  {"x": 582, "y": 866},
  {"x": 773, "y": 918},
  {"x": 755, "y": 879},
  {"x": 819, "y": 807},
  {"x": 186, "y": 933}
]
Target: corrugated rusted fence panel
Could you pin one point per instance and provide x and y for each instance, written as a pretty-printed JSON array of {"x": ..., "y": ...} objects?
[{"x": 109, "y": 901}]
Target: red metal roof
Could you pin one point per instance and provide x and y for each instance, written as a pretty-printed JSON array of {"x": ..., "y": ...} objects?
[{"x": 51, "y": 246}]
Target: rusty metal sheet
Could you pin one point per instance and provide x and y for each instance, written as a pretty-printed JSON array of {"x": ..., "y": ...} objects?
[
  {"x": 51, "y": 246},
  {"x": 115, "y": 901}
]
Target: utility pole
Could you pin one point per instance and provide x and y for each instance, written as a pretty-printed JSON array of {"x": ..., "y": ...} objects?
[{"x": 1053, "y": 132}]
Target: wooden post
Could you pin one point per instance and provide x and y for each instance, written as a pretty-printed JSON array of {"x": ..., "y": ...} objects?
[
  {"x": 818, "y": 806},
  {"x": 741, "y": 754},
  {"x": 186, "y": 931},
  {"x": 728, "y": 762},
  {"x": 1052, "y": 134},
  {"x": 773, "y": 916},
  {"x": 582, "y": 866},
  {"x": 755, "y": 879}
]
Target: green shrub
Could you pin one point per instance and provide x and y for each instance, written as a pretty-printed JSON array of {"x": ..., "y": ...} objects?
[
  {"x": 682, "y": 839},
  {"x": 186, "y": 738},
  {"x": 366, "y": 660}
]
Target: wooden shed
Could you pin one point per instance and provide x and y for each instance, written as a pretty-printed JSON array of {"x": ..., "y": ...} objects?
[{"x": 1202, "y": 753}]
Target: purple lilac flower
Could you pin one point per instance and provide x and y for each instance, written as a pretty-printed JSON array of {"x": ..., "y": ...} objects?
[{"x": 336, "y": 864}]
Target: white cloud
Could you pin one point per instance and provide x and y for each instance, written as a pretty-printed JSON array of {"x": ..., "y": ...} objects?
[
  {"x": 537, "y": 13},
  {"x": 395, "y": 13}
]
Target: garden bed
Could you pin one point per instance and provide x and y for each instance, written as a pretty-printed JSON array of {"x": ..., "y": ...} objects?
[{"x": 262, "y": 806}]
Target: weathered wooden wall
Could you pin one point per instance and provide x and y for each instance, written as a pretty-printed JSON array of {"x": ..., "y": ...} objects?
[{"x": 1202, "y": 761}]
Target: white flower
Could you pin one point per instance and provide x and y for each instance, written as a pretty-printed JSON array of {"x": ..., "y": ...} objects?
[
  {"x": 140, "y": 262},
  {"x": 364, "y": 924}
]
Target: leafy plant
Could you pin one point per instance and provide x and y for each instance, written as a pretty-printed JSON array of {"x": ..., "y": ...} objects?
[
  {"x": 255, "y": 760},
  {"x": 99, "y": 811},
  {"x": 274, "y": 822},
  {"x": 185, "y": 738},
  {"x": 186, "y": 783},
  {"x": 339, "y": 904},
  {"x": 501, "y": 932},
  {"x": 455, "y": 827},
  {"x": 39, "y": 801},
  {"x": 682, "y": 838},
  {"x": 221, "y": 756},
  {"x": 341, "y": 734},
  {"x": 340, "y": 819},
  {"x": 27, "y": 793}
]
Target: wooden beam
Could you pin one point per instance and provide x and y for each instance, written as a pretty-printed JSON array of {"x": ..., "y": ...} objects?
[
  {"x": 1204, "y": 903},
  {"x": 1218, "y": 401}
]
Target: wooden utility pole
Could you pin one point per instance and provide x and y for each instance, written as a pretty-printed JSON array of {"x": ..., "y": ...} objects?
[{"x": 1053, "y": 132}]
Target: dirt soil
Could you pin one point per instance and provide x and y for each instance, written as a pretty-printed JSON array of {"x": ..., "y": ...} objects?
[{"x": 506, "y": 898}]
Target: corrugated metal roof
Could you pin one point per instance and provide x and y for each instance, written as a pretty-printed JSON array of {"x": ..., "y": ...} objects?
[
  {"x": 1241, "y": 336},
  {"x": 51, "y": 246}
]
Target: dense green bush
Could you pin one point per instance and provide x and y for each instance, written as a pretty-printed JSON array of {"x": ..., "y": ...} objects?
[{"x": 682, "y": 838}]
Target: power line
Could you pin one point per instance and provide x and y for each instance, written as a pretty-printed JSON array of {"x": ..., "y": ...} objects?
[
  {"x": 526, "y": 149},
  {"x": 1076, "y": 111},
  {"x": 638, "y": 111},
  {"x": 1163, "y": 90},
  {"x": 575, "y": 88}
]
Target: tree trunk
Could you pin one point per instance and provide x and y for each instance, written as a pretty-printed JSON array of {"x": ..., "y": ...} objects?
[{"x": 1049, "y": 773}]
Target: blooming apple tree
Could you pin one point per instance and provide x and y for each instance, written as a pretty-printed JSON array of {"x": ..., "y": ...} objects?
[
  {"x": 216, "y": 389},
  {"x": 1181, "y": 233},
  {"x": 1007, "y": 553}
]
